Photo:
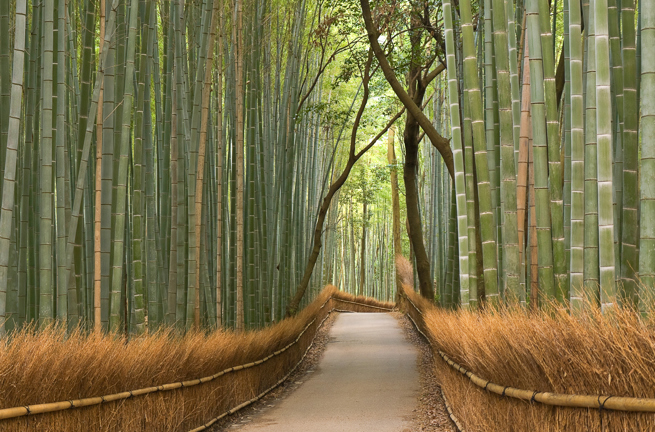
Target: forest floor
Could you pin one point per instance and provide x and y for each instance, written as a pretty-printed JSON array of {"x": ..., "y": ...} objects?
[{"x": 376, "y": 374}]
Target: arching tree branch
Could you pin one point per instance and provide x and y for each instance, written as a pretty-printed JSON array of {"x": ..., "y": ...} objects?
[{"x": 440, "y": 143}]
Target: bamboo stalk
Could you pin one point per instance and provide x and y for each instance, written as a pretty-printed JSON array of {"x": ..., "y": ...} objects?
[
  {"x": 458, "y": 156},
  {"x": 646, "y": 259},
  {"x": 9, "y": 182}
]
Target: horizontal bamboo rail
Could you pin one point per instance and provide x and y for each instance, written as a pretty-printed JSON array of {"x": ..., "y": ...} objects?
[
  {"x": 451, "y": 414},
  {"x": 265, "y": 392},
  {"x": 617, "y": 403},
  {"x": 22, "y": 411}
]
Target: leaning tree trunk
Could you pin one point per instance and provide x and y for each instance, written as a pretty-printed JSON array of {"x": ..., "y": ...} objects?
[{"x": 411, "y": 139}]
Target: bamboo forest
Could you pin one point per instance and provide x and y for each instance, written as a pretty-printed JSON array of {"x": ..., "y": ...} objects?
[{"x": 200, "y": 197}]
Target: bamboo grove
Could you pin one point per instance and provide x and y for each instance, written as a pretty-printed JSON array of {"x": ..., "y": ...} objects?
[
  {"x": 166, "y": 162},
  {"x": 551, "y": 136},
  {"x": 159, "y": 164}
]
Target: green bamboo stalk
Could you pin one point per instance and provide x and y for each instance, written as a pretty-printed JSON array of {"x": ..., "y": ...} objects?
[
  {"x": 511, "y": 263},
  {"x": 5, "y": 80},
  {"x": 219, "y": 173},
  {"x": 604, "y": 99},
  {"x": 576, "y": 279},
  {"x": 9, "y": 183},
  {"x": 523, "y": 179},
  {"x": 206, "y": 93},
  {"x": 591, "y": 254},
  {"x": 137, "y": 198},
  {"x": 472, "y": 89},
  {"x": 107, "y": 174},
  {"x": 565, "y": 110},
  {"x": 97, "y": 213},
  {"x": 172, "y": 269},
  {"x": 25, "y": 184},
  {"x": 514, "y": 77},
  {"x": 249, "y": 206},
  {"x": 630, "y": 217},
  {"x": 30, "y": 169},
  {"x": 616, "y": 71},
  {"x": 458, "y": 157},
  {"x": 61, "y": 191},
  {"x": 470, "y": 206},
  {"x": 491, "y": 120},
  {"x": 194, "y": 219},
  {"x": 46, "y": 301},
  {"x": 638, "y": 55},
  {"x": 239, "y": 169},
  {"x": 163, "y": 89},
  {"x": 647, "y": 87},
  {"x": 155, "y": 266},
  {"x": 81, "y": 182},
  {"x": 560, "y": 266},
  {"x": 183, "y": 145},
  {"x": 121, "y": 190},
  {"x": 539, "y": 134}
]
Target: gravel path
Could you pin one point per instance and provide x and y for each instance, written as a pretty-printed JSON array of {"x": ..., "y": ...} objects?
[
  {"x": 367, "y": 381},
  {"x": 428, "y": 414}
]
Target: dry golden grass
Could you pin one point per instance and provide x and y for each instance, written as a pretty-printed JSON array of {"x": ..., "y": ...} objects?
[
  {"x": 545, "y": 351},
  {"x": 49, "y": 366},
  {"x": 405, "y": 270}
]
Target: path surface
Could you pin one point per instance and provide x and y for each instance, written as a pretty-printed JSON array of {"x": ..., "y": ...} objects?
[{"x": 366, "y": 381}]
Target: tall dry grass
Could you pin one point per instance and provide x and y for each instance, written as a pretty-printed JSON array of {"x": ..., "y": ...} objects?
[
  {"x": 545, "y": 351},
  {"x": 405, "y": 271},
  {"x": 50, "y": 366}
]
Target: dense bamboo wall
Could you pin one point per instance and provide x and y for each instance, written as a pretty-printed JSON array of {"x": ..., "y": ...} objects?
[{"x": 141, "y": 143}]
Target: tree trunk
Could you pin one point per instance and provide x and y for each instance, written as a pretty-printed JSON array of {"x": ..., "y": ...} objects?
[{"x": 413, "y": 212}]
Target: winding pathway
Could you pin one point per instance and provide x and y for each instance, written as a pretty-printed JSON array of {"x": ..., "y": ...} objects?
[{"x": 366, "y": 381}]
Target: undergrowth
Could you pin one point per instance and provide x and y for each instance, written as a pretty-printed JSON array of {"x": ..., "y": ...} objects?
[
  {"x": 552, "y": 351},
  {"x": 51, "y": 366}
]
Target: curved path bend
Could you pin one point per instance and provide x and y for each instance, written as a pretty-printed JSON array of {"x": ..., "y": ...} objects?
[{"x": 366, "y": 381}]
